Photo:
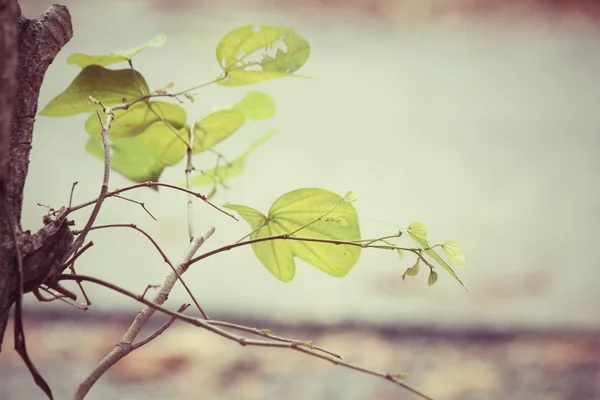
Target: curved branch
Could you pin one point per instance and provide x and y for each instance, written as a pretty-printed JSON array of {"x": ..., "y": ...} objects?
[
  {"x": 163, "y": 255},
  {"x": 154, "y": 184},
  {"x": 208, "y": 325}
]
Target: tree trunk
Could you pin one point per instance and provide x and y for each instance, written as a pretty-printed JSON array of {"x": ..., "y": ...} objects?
[{"x": 27, "y": 48}]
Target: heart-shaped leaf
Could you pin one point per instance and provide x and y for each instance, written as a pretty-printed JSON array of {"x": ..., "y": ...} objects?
[
  {"x": 319, "y": 213},
  {"x": 235, "y": 168},
  {"x": 252, "y": 54},
  {"x": 84, "y": 60},
  {"x": 107, "y": 85},
  {"x": 256, "y": 105},
  {"x": 143, "y": 157},
  {"x": 216, "y": 127},
  {"x": 138, "y": 117}
]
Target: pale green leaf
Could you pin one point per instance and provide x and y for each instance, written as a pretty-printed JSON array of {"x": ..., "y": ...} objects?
[
  {"x": 351, "y": 196},
  {"x": 256, "y": 105},
  {"x": 418, "y": 229},
  {"x": 215, "y": 128},
  {"x": 414, "y": 270},
  {"x": 300, "y": 208},
  {"x": 433, "y": 277},
  {"x": 252, "y": 54},
  {"x": 143, "y": 157},
  {"x": 431, "y": 253},
  {"x": 453, "y": 252},
  {"x": 235, "y": 168},
  {"x": 424, "y": 244},
  {"x": 105, "y": 85},
  {"x": 138, "y": 117},
  {"x": 84, "y": 60},
  {"x": 255, "y": 218},
  {"x": 400, "y": 253}
]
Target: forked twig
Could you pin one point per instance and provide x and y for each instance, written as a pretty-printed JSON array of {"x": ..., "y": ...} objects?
[
  {"x": 160, "y": 330},
  {"x": 125, "y": 345},
  {"x": 208, "y": 325},
  {"x": 188, "y": 181},
  {"x": 163, "y": 255},
  {"x": 153, "y": 184}
]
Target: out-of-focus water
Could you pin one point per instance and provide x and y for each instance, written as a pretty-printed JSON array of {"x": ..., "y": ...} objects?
[{"x": 486, "y": 132}]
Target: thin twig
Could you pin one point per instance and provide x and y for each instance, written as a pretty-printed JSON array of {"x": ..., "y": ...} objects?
[
  {"x": 148, "y": 287},
  {"x": 136, "y": 202},
  {"x": 19, "y": 333},
  {"x": 267, "y": 333},
  {"x": 153, "y": 184},
  {"x": 188, "y": 181},
  {"x": 162, "y": 253},
  {"x": 160, "y": 330},
  {"x": 110, "y": 115},
  {"x": 208, "y": 325},
  {"x": 125, "y": 345},
  {"x": 72, "y": 191},
  {"x": 79, "y": 253},
  {"x": 59, "y": 297}
]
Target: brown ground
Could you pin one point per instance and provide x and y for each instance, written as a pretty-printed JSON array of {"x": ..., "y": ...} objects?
[{"x": 187, "y": 363}]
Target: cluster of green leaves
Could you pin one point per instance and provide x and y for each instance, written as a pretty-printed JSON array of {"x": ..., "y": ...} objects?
[
  {"x": 150, "y": 134},
  {"x": 322, "y": 229},
  {"x": 147, "y": 135}
]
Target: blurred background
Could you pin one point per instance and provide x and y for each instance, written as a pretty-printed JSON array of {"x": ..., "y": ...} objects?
[{"x": 478, "y": 118}]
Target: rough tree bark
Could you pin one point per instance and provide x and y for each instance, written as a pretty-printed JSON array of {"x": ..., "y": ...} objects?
[{"x": 27, "y": 48}]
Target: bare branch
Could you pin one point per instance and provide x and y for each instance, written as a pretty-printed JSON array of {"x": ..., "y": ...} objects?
[
  {"x": 188, "y": 181},
  {"x": 154, "y": 184},
  {"x": 136, "y": 202},
  {"x": 110, "y": 115},
  {"x": 72, "y": 191},
  {"x": 210, "y": 326},
  {"x": 125, "y": 346},
  {"x": 267, "y": 333},
  {"x": 162, "y": 253},
  {"x": 160, "y": 330}
]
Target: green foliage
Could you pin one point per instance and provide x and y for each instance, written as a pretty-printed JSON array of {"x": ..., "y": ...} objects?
[
  {"x": 312, "y": 213},
  {"x": 138, "y": 118},
  {"x": 107, "y": 85},
  {"x": 143, "y": 157},
  {"x": 256, "y": 105},
  {"x": 243, "y": 54},
  {"x": 147, "y": 136},
  {"x": 219, "y": 174},
  {"x": 84, "y": 60},
  {"x": 216, "y": 127},
  {"x": 418, "y": 233}
]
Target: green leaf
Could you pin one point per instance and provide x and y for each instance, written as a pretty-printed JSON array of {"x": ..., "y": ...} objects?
[
  {"x": 249, "y": 55},
  {"x": 431, "y": 253},
  {"x": 433, "y": 277},
  {"x": 106, "y": 85},
  {"x": 235, "y": 168},
  {"x": 400, "y": 253},
  {"x": 414, "y": 270},
  {"x": 351, "y": 196},
  {"x": 139, "y": 116},
  {"x": 453, "y": 252},
  {"x": 421, "y": 241},
  {"x": 418, "y": 229},
  {"x": 256, "y": 105},
  {"x": 297, "y": 209},
  {"x": 84, "y": 60},
  {"x": 216, "y": 127},
  {"x": 255, "y": 218},
  {"x": 143, "y": 157}
]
